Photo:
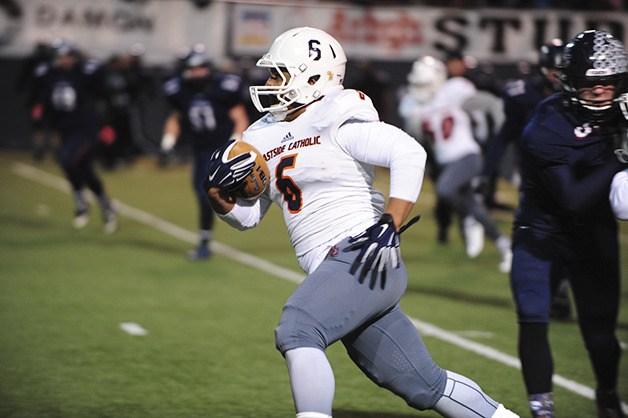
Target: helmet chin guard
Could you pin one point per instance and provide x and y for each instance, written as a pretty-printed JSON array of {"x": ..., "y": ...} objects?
[{"x": 311, "y": 64}]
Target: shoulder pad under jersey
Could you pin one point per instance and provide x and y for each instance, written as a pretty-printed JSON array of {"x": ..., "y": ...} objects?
[
  {"x": 230, "y": 83},
  {"x": 338, "y": 107},
  {"x": 172, "y": 86}
]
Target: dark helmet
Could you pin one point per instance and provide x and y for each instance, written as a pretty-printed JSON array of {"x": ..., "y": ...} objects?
[
  {"x": 61, "y": 47},
  {"x": 195, "y": 57},
  {"x": 549, "y": 58},
  {"x": 593, "y": 58},
  {"x": 550, "y": 54}
]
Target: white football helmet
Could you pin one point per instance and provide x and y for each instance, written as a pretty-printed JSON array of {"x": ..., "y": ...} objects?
[
  {"x": 427, "y": 76},
  {"x": 315, "y": 62}
]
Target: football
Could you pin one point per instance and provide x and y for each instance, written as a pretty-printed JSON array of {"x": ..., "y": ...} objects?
[{"x": 254, "y": 184}]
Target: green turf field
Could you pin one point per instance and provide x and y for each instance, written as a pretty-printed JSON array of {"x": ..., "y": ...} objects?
[{"x": 209, "y": 350}]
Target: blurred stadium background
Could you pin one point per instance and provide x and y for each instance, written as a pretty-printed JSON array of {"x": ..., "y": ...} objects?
[
  {"x": 67, "y": 297},
  {"x": 501, "y": 37}
]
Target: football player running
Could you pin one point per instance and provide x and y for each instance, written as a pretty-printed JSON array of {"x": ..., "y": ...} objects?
[
  {"x": 322, "y": 143},
  {"x": 67, "y": 91},
  {"x": 207, "y": 109},
  {"x": 436, "y": 103},
  {"x": 565, "y": 222}
]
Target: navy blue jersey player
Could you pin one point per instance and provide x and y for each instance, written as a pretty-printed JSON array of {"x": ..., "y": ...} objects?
[
  {"x": 208, "y": 109},
  {"x": 67, "y": 93},
  {"x": 564, "y": 225},
  {"x": 520, "y": 100}
]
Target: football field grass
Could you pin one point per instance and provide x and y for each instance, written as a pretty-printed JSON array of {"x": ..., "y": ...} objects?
[{"x": 207, "y": 349}]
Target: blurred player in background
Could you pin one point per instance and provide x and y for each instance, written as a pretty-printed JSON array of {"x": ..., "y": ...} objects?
[
  {"x": 42, "y": 140},
  {"x": 322, "y": 144},
  {"x": 125, "y": 80},
  {"x": 437, "y": 103},
  {"x": 68, "y": 90},
  {"x": 207, "y": 110},
  {"x": 520, "y": 99},
  {"x": 564, "y": 225}
]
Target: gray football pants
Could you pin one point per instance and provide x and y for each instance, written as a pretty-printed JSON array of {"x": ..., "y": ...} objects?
[{"x": 331, "y": 305}]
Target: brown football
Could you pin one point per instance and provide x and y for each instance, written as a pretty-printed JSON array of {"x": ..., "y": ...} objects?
[{"x": 254, "y": 184}]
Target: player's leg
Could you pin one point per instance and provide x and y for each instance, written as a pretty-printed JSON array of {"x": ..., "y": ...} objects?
[
  {"x": 596, "y": 289},
  {"x": 84, "y": 163},
  {"x": 466, "y": 169},
  {"x": 534, "y": 258},
  {"x": 66, "y": 155},
  {"x": 206, "y": 214},
  {"x": 391, "y": 352},
  {"x": 328, "y": 305}
]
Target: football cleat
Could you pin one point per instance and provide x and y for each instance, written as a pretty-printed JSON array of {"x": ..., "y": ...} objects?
[
  {"x": 81, "y": 218},
  {"x": 110, "y": 220},
  {"x": 199, "y": 253},
  {"x": 473, "y": 236}
]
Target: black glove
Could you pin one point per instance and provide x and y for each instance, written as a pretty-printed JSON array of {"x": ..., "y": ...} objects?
[
  {"x": 228, "y": 173},
  {"x": 379, "y": 246}
]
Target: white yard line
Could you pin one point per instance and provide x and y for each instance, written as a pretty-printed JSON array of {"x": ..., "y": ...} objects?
[{"x": 426, "y": 329}]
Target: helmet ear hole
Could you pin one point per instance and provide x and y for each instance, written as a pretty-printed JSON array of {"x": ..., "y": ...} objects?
[{"x": 312, "y": 80}]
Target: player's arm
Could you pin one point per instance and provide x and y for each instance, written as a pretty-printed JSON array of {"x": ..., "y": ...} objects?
[
  {"x": 384, "y": 145},
  {"x": 577, "y": 194},
  {"x": 240, "y": 120},
  {"x": 172, "y": 130}
]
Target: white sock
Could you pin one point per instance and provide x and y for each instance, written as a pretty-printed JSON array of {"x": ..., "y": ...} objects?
[
  {"x": 464, "y": 398},
  {"x": 502, "y": 412},
  {"x": 312, "y": 415},
  {"x": 312, "y": 381},
  {"x": 503, "y": 244}
]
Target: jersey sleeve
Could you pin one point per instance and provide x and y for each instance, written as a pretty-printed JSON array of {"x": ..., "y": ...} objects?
[
  {"x": 378, "y": 143},
  {"x": 247, "y": 214},
  {"x": 619, "y": 195}
]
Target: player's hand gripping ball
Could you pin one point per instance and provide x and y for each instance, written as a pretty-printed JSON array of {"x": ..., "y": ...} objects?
[
  {"x": 256, "y": 181},
  {"x": 238, "y": 168}
]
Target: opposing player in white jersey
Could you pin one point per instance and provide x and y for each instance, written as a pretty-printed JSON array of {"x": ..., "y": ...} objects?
[
  {"x": 321, "y": 144},
  {"x": 437, "y": 103}
]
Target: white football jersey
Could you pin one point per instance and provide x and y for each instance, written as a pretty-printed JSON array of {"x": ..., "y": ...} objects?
[
  {"x": 446, "y": 126},
  {"x": 323, "y": 180},
  {"x": 619, "y": 195}
]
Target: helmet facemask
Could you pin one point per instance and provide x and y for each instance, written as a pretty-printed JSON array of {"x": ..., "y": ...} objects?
[{"x": 594, "y": 59}]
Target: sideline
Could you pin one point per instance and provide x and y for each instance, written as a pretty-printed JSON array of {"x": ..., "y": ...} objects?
[{"x": 426, "y": 329}]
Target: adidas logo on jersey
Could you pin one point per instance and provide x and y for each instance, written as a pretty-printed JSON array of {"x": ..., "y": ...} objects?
[{"x": 287, "y": 138}]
